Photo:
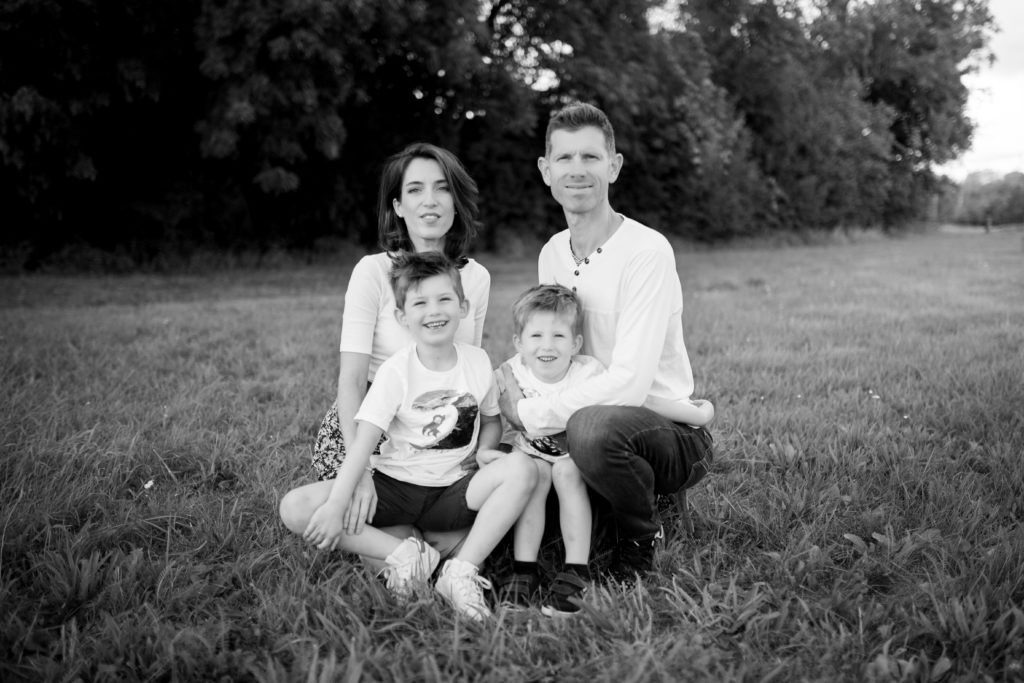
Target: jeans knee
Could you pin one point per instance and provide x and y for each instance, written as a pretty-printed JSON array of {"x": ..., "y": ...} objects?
[{"x": 588, "y": 435}]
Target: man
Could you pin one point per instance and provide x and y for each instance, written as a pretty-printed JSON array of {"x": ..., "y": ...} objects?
[{"x": 634, "y": 432}]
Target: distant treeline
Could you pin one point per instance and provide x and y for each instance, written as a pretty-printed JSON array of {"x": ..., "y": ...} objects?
[
  {"x": 152, "y": 125},
  {"x": 988, "y": 199}
]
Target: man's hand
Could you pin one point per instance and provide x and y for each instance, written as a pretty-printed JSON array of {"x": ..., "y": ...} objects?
[
  {"x": 363, "y": 505},
  {"x": 508, "y": 399},
  {"x": 707, "y": 410},
  {"x": 325, "y": 526}
]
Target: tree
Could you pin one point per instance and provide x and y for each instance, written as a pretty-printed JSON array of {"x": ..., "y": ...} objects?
[
  {"x": 911, "y": 56},
  {"x": 78, "y": 118},
  {"x": 687, "y": 166},
  {"x": 823, "y": 148},
  {"x": 312, "y": 95}
]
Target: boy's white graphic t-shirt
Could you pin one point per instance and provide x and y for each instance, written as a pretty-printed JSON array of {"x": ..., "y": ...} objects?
[
  {"x": 432, "y": 419},
  {"x": 551, "y": 447}
]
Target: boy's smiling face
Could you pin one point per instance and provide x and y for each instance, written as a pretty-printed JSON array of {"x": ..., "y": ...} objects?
[
  {"x": 547, "y": 344},
  {"x": 432, "y": 311}
]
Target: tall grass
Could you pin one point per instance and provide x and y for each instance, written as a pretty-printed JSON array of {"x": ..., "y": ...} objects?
[{"x": 863, "y": 520}]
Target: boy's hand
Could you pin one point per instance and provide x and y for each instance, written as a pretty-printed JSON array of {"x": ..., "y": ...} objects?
[
  {"x": 363, "y": 506},
  {"x": 485, "y": 456},
  {"x": 325, "y": 526}
]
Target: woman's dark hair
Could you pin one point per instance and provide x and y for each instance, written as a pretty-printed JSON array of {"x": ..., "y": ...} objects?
[{"x": 392, "y": 233}]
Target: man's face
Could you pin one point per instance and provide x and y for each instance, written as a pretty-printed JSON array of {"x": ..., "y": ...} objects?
[{"x": 579, "y": 169}]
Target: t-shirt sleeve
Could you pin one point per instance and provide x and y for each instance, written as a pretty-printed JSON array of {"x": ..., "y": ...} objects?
[
  {"x": 383, "y": 398},
  {"x": 478, "y": 296},
  {"x": 362, "y": 303},
  {"x": 489, "y": 406},
  {"x": 485, "y": 376}
]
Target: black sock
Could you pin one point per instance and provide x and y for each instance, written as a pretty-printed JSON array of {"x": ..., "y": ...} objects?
[
  {"x": 580, "y": 570},
  {"x": 524, "y": 567}
]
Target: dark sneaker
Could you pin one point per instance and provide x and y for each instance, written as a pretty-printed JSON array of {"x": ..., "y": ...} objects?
[
  {"x": 634, "y": 557},
  {"x": 565, "y": 595},
  {"x": 518, "y": 590}
]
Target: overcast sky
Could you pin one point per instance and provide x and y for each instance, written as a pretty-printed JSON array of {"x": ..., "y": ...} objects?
[{"x": 996, "y": 104}]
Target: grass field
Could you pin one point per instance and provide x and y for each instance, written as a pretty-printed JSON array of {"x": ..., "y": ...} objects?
[{"x": 863, "y": 520}]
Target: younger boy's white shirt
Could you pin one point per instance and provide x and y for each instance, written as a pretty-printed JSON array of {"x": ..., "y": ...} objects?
[
  {"x": 432, "y": 419},
  {"x": 552, "y": 447}
]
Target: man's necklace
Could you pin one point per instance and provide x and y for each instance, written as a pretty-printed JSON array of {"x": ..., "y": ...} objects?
[{"x": 586, "y": 259}]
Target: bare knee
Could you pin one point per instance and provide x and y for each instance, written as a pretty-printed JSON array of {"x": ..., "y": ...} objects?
[
  {"x": 566, "y": 475},
  {"x": 521, "y": 470},
  {"x": 288, "y": 510},
  {"x": 544, "y": 474},
  {"x": 298, "y": 505}
]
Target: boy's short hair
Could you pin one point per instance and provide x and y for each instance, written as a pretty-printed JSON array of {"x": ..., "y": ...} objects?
[
  {"x": 409, "y": 269},
  {"x": 556, "y": 299},
  {"x": 577, "y": 115}
]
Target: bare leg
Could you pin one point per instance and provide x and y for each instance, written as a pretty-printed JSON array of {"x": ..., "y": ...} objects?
[
  {"x": 447, "y": 543},
  {"x": 574, "y": 513},
  {"x": 499, "y": 493},
  {"x": 530, "y": 527},
  {"x": 299, "y": 504}
]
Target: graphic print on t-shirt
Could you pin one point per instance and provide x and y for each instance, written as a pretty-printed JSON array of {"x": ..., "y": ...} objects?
[
  {"x": 448, "y": 418},
  {"x": 554, "y": 445}
]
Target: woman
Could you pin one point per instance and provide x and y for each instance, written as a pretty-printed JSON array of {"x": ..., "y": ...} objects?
[{"x": 426, "y": 202}]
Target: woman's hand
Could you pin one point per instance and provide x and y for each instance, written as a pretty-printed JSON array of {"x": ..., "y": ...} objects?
[
  {"x": 325, "y": 526},
  {"x": 363, "y": 506}
]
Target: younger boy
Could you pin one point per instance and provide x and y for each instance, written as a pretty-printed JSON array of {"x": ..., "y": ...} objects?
[
  {"x": 548, "y": 334},
  {"x": 437, "y": 402}
]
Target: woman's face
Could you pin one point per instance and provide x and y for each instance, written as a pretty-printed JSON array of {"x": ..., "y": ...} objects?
[{"x": 426, "y": 204}]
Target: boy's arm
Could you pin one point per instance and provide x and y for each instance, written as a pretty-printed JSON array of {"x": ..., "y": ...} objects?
[
  {"x": 334, "y": 516},
  {"x": 487, "y": 443}
]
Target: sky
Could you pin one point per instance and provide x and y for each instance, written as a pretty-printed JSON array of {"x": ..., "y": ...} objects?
[{"x": 996, "y": 104}]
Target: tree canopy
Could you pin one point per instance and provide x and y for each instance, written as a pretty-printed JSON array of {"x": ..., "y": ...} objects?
[{"x": 149, "y": 125}]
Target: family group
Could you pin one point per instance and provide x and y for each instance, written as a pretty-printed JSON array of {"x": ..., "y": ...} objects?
[{"x": 429, "y": 454}]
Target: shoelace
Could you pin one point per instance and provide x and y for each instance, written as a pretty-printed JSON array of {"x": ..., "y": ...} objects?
[
  {"x": 463, "y": 586},
  {"x": 392, "y": 574}
]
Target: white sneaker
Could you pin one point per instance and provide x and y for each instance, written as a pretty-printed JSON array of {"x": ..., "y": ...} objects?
[
  {"x": 409, "y": 565},
  {"x": 460, "y": 584}
]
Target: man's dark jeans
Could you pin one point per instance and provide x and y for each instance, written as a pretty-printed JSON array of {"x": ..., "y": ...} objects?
[{"x": 630, "y": 455}]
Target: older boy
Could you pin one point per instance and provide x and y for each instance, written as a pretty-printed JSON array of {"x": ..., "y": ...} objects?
[{"x": 437, "y": 402}]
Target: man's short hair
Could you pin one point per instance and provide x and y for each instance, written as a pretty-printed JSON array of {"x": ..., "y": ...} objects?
[
  {"x": 556, "y": 299},
  {"x": 578, "y": 115},
  {"x": 409, "y": 269}
]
